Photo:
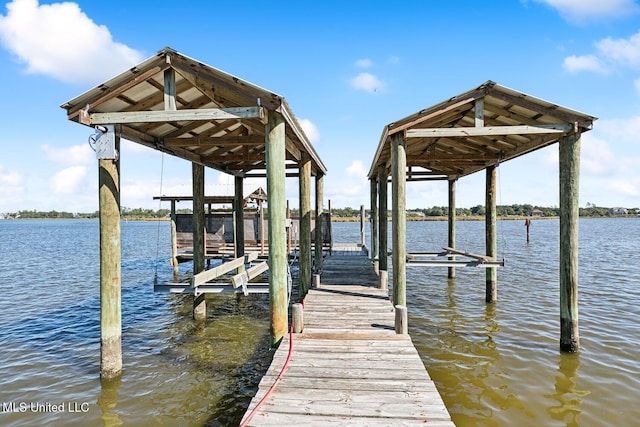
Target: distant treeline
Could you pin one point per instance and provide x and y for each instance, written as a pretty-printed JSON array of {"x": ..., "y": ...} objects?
[{"x": 435, "y": 211}]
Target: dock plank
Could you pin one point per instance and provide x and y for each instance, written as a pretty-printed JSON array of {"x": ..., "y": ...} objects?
[{"x": 348, "y": 366}]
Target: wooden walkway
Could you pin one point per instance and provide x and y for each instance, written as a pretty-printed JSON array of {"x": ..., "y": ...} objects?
[{"x": 349, "y": 367}]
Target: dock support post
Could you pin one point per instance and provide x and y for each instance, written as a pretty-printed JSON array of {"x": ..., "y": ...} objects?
[
  {"x": 110, "y": 268},
  {"x": 569, "y": 147},
  {"x": 304, "y": 274},
  {"x": 238, "y": 218},
  {"x": 261, "y": 221},
  {"x": 316, "y": 281},
  {"x": 452, "y": 223},
  {"x": 401, "y": 321},
  {"x": 197, "y": 172},
  {"x": 490, "y": 234},
  {"x": 374, "y": 224},
  {"x": 297, "y": 318},
  {"x": 319, "y": 235},
  {"x": 399, "y": 217},
  {"x": 275, "y": 159},
  {"x": 174, "y": 241},
  {"x": 382, "y": 229},
  {"x": 363, "y": 241}
]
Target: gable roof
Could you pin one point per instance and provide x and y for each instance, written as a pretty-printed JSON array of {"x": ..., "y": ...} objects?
[
  {"x": 478, "y": 128},
  {"x": 219, "y": 119}
]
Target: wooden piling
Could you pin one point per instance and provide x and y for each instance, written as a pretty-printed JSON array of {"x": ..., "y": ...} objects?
[
  {"x": 569, "y": 148},
  {"x": 363, "y": 241},
  {"x": 490, "y": 234},
  {"x": 401, "y": 320},
  {"x": 319, "y": 234},
  {"x": 399, "y": 217},
  {"x": 452, "y": 223},
  {"x": 197, "y": 172},
  {"x": 110, "y": 268},
  {"x": 374, "y": 224},
  {"x": 297, "y": 318},
  {"x": 174, "y": 241},
  {"x": 316, "y": 281},
  {"x": 304, "y": 262},
  {"x": 382, "y": 220},
  {"x": 275, "y": 159},
  {"x": 238, "y": 218}
]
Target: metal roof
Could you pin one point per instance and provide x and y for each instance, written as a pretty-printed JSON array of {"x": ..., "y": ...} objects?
[
  {"x": 454, "y": 138},
  {"x": 233, "y": 142}
]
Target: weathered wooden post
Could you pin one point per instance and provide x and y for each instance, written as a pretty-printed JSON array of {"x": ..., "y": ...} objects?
[
  {"x": 490, "y": 234},
  {"x": 174, "y": 241},
  {"x": 110, "y": 267},
  {"x": 401, "y": 320},
  {"x": 382, "y": 229},
  {"x": 363, "y": 241},
  {"x": 329, "y": 214},
  {"x": 527, "y": 223},
  {"x": 399, "y": 217},
  {"x": 275, "y": 159},
  {"x": 261, "y": 225},
  {"x": 197, "y": 172},
  {"x": 569, "y": 148},
  {"x": 319, "y": 234},
  {"x": 304, "y": 274},
  {"x": 289, "y": 229},
  {"x": 374, "y": 224},
  {"x": 297, "y": 318},
  {"x": 452, "y": 223},
  {"x": 238, "y": 218}
]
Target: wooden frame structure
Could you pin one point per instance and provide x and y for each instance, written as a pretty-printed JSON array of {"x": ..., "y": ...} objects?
[
  {"x": 183, "y": 107},
  {"x": 468, "y": 133}
]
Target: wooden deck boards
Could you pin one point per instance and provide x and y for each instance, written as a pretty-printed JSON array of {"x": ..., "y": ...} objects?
[{"x": 349, "y": 367}]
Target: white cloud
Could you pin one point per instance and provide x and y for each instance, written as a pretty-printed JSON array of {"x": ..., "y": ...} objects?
[
  {"x": 357, "y": 169},
  {"x": 583, "y": 11},
  {"x": 625, "y": 187},
  {"x": 61, "y": 41},
  {"x": 575, "y": 64},
  {"x": 11, "y": 188},
  {"x": 364, "y": 63},
  {"x": 69, "y": 180},
  {"x": 367, "y": 82},
  {"x": 596, "y": 157},
  {"x": 621, "y": 51},
  {"x": 9, "y": 178},
  {"x": 310, "y": 130},
  {"x": 75, "y": 155}
]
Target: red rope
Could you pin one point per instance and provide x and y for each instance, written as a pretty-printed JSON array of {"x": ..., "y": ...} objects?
[{"x": 273, "y": 386}]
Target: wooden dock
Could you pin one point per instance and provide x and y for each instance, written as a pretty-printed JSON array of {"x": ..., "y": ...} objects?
[{"x": 348, "y": 366}]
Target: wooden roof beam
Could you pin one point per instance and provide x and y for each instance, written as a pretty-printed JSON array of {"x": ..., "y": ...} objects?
[
  {"x": 220, "y": 141},
  {"x": 487, "y": 131},
  {"x": 177, "y": 116}
]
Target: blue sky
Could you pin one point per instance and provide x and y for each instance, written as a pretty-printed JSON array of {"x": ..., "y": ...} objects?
[{"x": 346, "y": 69}]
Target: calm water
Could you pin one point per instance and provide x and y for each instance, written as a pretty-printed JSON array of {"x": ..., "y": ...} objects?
[{"x": 495, "y": 365}]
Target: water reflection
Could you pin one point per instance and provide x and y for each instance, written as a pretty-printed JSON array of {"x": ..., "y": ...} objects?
[
  {"x": 108, "y": 400},
  {"x": 566, "y": 394}
]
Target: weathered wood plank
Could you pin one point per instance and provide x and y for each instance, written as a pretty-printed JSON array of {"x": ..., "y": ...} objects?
[
  {"x": 212, "y": 273},
  {"x": 488, "y": 131},
  {"x": 176, "y": 115},
  {"x": 349, "y": 367}
]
